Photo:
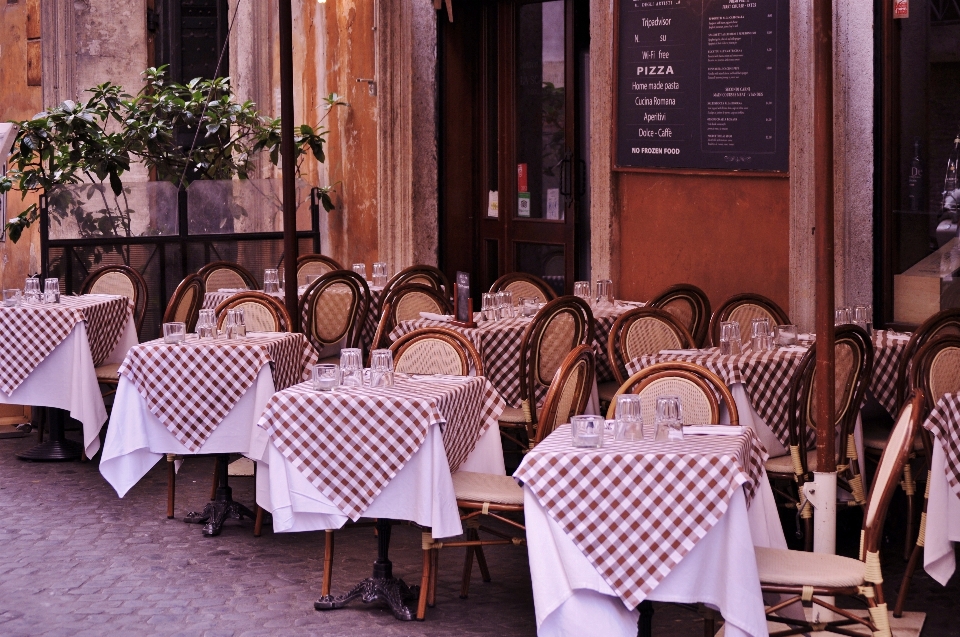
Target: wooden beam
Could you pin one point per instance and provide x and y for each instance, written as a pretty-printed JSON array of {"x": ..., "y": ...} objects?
[{"x": 288, "y": 164}]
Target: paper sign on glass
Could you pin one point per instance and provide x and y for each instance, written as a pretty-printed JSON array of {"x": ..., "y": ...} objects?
[
  {"x": 493, "y": 204},
  {"x": 523, "y": 204},
  {"x": 553, "y": 203}
]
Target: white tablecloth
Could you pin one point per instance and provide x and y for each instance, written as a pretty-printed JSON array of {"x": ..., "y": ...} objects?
[
  {"x": 573, "y": 600},
  {"x": 67, "y": 379},
  {"x": 943, "y": 521},
  {"x": 421, "y": 492},
  {"x": 137, "y": 440}
]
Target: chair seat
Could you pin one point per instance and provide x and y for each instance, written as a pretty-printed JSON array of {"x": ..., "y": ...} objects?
[
  {"x": 606, "y": 391},
  {"x": 799, "y": 568},
  {"x": 109, "y": 372},
  {"x": 487, "y": 487},
  {"x": 784, "y": 465},
  {"x": 513, "y": 416},
  {"x": 875, "y": 439}
]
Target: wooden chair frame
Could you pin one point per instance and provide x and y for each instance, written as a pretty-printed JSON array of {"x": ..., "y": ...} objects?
[
  {"x": 305, "y": 259},
  {"x": 726, "y": 309},
  {"x": 193, "y": 311},
  {"x": 503, "y": 282},
  {"x": 359, "y": 307},
  {"x": 438, "y": 278},
  {"x": 468, "y": 353},
  {"x": 242, "y": 272},
  {"x": 392, "y": 300},
  {"x": 621, "y": 327},
  {"x": 699, "y": 304},
  {"x": 275, "y": 306},
  {"x": 141, "y": 295},
  {"x": 927, "y": 331}
]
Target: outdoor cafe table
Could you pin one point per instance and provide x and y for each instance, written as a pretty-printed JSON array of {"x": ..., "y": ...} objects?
[
  {"x": 48, "y": 358},
  {"x": 943, "y": 506},
  {"x": 670, "y": 521},
  {"x": 196, "y": 397}
]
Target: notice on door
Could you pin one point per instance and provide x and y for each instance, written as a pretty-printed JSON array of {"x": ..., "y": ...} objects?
[{"x": 703, "y": 84}]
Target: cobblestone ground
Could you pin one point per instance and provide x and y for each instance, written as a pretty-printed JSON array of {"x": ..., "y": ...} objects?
[{"x": 77, "y": 560}]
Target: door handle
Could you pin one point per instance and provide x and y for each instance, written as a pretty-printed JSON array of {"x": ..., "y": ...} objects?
[
  {"x": 566, "y": 176},
  {"x": 582, "y": 179}
]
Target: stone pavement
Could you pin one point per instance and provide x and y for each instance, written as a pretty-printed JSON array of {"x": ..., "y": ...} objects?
[{"x": 77, "y": 560}]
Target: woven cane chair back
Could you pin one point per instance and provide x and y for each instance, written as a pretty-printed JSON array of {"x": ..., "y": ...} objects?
[
  {"x": 261, "y": 312},
  {"x": 420, "y": 275},
  {"x": 314, "y": 265},
  {"x": 184, "y": 305},
  {"x": 333, "y": 308},
  {"x": 569, "y": 391},
  {"x": 223, "y": 274},
  {"x": 120, "y": 280},
  {"x": 936, "y": 369},
  {"x": 689, "y": 305},
  {"x": 945, "y": 323},
  {"x": 435, "y": 350},
  {"x": 743, "y": 308},
  {"x": 700, "y": 392},
  {"x": 645, "y": 330},
  {"x": 523, "y": 284},
  {"x": 408, "y": 300}
]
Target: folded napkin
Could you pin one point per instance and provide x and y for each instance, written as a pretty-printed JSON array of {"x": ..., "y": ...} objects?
[
  {"x": 430, "y": 316},
  {"x": 631, "y": 303},
  {"x": 712, "y": 430},
  {"x": 794, "y": 348},
  {"x": 685, "y": 352},
  {"x": 807, "y": 337}
]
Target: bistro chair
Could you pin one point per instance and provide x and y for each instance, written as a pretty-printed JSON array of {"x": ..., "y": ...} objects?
[
  {"x": 422, "y": 274},
  {"x": 261, "y": 312},
  {"x": 743, "y": 308},
  {"x": 853, "y": 367},
  {"x": 184, "y": 306},
  {"x": 559, "y": 327},
  {"x": 697, "y": 387},
  {"x": 689, "y": 305},
  {"x": 332, "y": 311},
  {"x": 523, "y": 284},
  {"x": 799, "y": 576},
  {"x": 314, "y": 265},
  {"x": 946, "y": 322},
  {"x": 484, "y": 494},
  {"x": 935, "y": 371},
  {"x": 120, "y": 280},
  {"x": 435, "y": 350},
  {"x": 225, "y": 275},
  {"x": 404, "y": 303},
  {"x": 640, "y": 331}
]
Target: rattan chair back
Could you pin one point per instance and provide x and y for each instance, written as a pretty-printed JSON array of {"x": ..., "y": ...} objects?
[
  {"x": 435, "y": 350},
  {"x": 700, "y": 392},
  {"x": 421, "y": 274},
  {"x": 644, "y": 330},
  {"x": 936, "y": 369},
  {"x": 743, "y": 308},
  {"x": 184, "y": 306},
  {"x": 408, "y": 300},
  {"x": 261, "y": 312},
  {"x": 120, "y": 280},
  {"x": 524, "y": 285},
  {"x": 314, "y": 265},
  {"x": 944, "y": 323},
  {"x": 569, "y": 392},
  {"x": 689, "y": 305},
  {"x": 333, "y": 308},
  {"x": 225, "y": 275}
]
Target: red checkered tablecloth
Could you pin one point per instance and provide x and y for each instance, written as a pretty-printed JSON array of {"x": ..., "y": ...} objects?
[
  {"x": 191, "y": 386},
  {"x": 888, "y": 348},
  {"x": 351, "y": 442},
  {"x": 29, "y": 333},
  {"x": 636, "y": 508},
  {"x": 944, "y": 423}
]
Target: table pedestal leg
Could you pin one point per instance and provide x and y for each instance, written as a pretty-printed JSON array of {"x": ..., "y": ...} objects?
[
  {"x": 222, "y": 506},
  {"x": 57, "y": 447},
  {"x": 382, "y": 586},
  {"x": 645, "y": 623}
]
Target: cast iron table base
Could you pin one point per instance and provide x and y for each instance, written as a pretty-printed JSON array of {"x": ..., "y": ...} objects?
[
  {"x": 222, "y": 507},
  {"x": 57, "y": 447},
  {"x": 383, "y": 586}
]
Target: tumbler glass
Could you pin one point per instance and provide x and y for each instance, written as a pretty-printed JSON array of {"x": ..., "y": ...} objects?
[
  {"x": 604, "y": 292},
  {"x": 351, "y": 367},
  {"x": 361, "y": 269},
  {"x": 51, "y": 290},
  {"x": 207, "y": 324},
  {"x": 729, "y": 337},
  {"x": 629, "y": 418},
  {"x": 380, "y": 274},
  {"x": 587, "y": 431},
  {"x": 31, "y": 289},
  {"x": 12, "y": 298},
  {"x": 529, "y": 306},
  {"x": 488, "y": 306},
  {"x": 842, "y": 316},
  {"x": 669, "y": 417},
  {"x": 761, "y": 336},
  {"x": 582, "y": 290},
  {"x": 325, "y": 376},
  {"x": 381, "y": 368},
  {"x": 786, "y": 335},
  {"x": 863, "y": 316},
  {"x": 174, "y": 333},
  {"x": 505, "y": 304},
  {"x": 271, "y": 281}
]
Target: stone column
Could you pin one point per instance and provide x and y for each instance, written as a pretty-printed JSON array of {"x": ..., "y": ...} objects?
[{"x": 604, "y": 221}]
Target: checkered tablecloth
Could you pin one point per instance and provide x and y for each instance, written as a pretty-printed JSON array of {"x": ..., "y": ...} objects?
[
  {"x": 29, "y": 333},
  {"x": 636, "y": 508},
  {"x": 351, "y": 442},
  {"x": 944, "y": 423},
  {"x": 888, "y": 348},
  {"x": 191, "y": 386}
]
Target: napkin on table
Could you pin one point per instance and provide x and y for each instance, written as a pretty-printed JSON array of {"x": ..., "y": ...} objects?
[{"x": 430, "y": 316}]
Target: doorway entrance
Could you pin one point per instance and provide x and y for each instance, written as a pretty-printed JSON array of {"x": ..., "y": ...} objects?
[{"x": 513, "y": 95}]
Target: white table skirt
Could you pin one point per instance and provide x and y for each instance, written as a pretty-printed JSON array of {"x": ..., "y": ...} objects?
[
  {"x": 67, "y": 379},
  {"x": 573, "y": 600},
  {"x": 943, "y": 521},
  {"x": 137, "y": 440},
  {"x": 422, "y": 491}
]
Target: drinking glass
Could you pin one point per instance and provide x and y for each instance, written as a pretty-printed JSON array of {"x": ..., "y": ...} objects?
[
  {"x": 31, "y": 289},
  {"x": 207, "y": 324},
  {"x": 587, "y": 431},
  {"x": 529, "y": 306},
  {"x": 235, "y": 326},
  {"x": 12, "y": 298},
  {"x": 863, "y": 316},
  {"x": 325, "y": 376},
  {"x": 604, "y": 292},
  {"x": 761, "y": 336},
  {"x": 271, "y": 281},
  {"x": 669, "y": 417},
  {"x": 51, "y": 290},
  {"x": 505, "y": 304},
  {"x": 786, "y": 335},
  {"x": 381, "y": 368},
  {"x": 842, "y": 316},
  {"x": 582, "y": 290},
  {"x": 361, "y": 269},
  {"x": 729, "y": 337},
  {"x": 174, "y": 333},
  {"x": 488, "y": 306},
  {"x": 351, "y": 367},
  {"x": 629, "y": 418},
  {"x": 380, "y": 274}
]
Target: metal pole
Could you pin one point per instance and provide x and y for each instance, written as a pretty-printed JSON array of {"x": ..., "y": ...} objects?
[
  {"x": 288, "y": 163},
  {"x": 825, "y": 514}
]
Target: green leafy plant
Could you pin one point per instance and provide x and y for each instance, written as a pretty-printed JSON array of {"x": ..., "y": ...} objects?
[{"x": 95, "y": 142}]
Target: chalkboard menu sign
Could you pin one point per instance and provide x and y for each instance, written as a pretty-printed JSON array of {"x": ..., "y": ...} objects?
[{"x": 703, "y": 84}]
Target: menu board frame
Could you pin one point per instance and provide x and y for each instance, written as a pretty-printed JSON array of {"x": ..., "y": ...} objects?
[{"x": 783, "y": 127}]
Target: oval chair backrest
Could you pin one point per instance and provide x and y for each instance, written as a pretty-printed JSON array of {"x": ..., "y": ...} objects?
[
  {"x": 223, "y": 274},
  {"x": 644, "y": 331},
  {"x": 419, "y": 275},
  {"x": 569, "y": 391},
  {"x": 743, "y": 308},
  {"x": 120, "y": 280},
  {"x": 943, "y": 323},
  {"x": 184, "y": 305},
  {"x": 936, "y": 369},
  {"x": 524, "y": 285},
  {"x": 554, "y": 332},
  {"x": 333, "y": 308},
  {"x": 261, "y": 313},
  {"x": 408, "y": 300},
  {"x": 435, "y": 351},
  {"x": 314, "y": 265},
  {"x": 689, "y": 305}
]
